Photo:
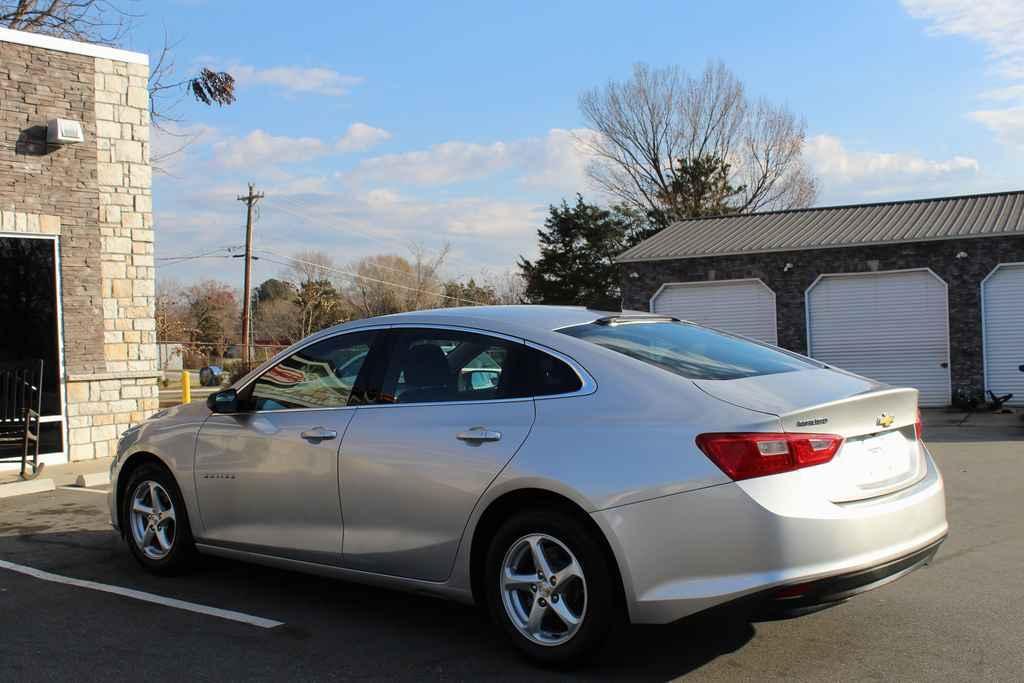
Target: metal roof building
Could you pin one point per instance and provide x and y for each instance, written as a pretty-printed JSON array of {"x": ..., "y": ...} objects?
[
  {"x": 926, "y": 293},
  {"x": 1000, "y": 213}
]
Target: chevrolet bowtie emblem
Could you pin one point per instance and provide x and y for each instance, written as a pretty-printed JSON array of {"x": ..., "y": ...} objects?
[{"x": 884, "y": 420}]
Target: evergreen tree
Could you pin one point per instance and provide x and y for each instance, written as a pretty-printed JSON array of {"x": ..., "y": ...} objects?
[
  {"x": 698, "y": 187},
  {"x": 577, "y": 245}
]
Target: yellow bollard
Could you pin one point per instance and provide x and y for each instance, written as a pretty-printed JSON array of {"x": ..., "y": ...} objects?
[{"x": 186, "y": 388}]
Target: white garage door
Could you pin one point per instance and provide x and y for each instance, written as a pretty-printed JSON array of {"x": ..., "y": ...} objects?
[
  {"x": 744, "y": 307},
  {"x": 892, "y": 327},
  {"x": 1003, "y": 315}
]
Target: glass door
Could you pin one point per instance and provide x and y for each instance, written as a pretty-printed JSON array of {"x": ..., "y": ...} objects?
[{"x": 30, "y": 323}]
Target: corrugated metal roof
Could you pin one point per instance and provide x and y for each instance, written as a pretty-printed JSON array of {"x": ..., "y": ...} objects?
[{"x": 941, "y": 218}]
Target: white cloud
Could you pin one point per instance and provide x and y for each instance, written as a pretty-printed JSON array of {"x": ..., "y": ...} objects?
[
  {"x": 559, "y": 160},
  {"x": 260, "y": 148},
  {"x": 361, "y": 136},
  {"x": 441, "y": 164},
  {"x": 870, "y": 174},
  {"x": 1007, "y": 124},
  {"x": 555, "y": 162},
  {"x": 318, "y": 80},
  {"x": 999, "y": 26},
  {"x": 1007, "y": 94}
]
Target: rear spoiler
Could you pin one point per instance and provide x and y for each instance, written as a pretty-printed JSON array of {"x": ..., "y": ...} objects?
[{"x": 628, "y": 319}]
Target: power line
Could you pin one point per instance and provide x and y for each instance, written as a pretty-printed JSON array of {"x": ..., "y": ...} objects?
[
  {"x": 190, "y": 257},
  {"x": 180, "y": 261}
]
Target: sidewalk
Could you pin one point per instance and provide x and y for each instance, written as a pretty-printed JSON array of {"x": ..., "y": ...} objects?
[{"x": 63, "y": 475}]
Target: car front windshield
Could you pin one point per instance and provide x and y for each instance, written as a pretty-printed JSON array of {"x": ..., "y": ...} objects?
[{"x": 689, "y": 350}]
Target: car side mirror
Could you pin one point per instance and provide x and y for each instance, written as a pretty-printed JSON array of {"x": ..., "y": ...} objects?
[{"x": 225, "y": 401}]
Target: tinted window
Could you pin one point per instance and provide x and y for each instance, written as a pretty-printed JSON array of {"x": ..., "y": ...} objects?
[
  {"x": 431, "y": 366},
  {"x": 552, "y": 376},
  {"x": 689, "y": 350},
  {"x": 322, "y": 375}
]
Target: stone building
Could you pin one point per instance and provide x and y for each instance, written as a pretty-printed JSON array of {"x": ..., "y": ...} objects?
[
  {"x": 76, "y": 237},
  {"x": 925, "y": 293}
]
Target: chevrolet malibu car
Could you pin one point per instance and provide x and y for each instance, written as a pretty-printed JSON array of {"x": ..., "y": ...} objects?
[{"x": 559, "y": 466}]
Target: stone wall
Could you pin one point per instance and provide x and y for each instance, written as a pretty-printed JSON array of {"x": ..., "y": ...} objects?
[
  {"x": 96, "y": 196},
  {"x": 962, "y": 275},
  {"x": 35, "y": 86}
]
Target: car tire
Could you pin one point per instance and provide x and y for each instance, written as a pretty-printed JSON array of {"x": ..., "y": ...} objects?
[
  {"x": 159, "y": 536},
  {"x": 563, "y": 539}
]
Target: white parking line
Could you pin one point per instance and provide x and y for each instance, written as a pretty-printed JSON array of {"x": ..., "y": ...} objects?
[
  {"x": 140, "y": 595},
  {"x": 79, "y": 488}
]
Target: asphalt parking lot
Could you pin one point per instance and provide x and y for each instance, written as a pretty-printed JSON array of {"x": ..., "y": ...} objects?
[{"x": 960, "y": 618}]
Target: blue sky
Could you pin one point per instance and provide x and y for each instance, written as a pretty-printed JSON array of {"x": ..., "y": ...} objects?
[{"x": 374, "y": 127}]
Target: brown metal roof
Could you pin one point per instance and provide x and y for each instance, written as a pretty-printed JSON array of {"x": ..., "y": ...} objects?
[{"x": 979, "y": 215}]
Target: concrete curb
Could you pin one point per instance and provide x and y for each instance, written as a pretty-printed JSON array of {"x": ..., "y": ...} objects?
[
  {"x": 93, "y": 479},
  {"x": 21, "y": 488}
]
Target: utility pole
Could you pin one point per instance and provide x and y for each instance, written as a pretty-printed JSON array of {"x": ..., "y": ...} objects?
[{"x": 250, "y": 201}]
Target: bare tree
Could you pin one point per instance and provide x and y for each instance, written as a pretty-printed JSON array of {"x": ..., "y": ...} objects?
[
  {"x": 213, "y": 314},
  {"x": 374, "y": 291},
  {"x": 320, "y": 304},
  {"x": 388, "y": 283},
  {"x": 509, "y": 286},
  {"x": 426, "y": 270},
  {"x": 650, "y": 125},
  {"x": 107, "y": 22},
  {"x": 310, "y": 266},
  {"x": 278, "y": 321},
  {"x": 96, "y": 21},
  {"x": 172, "y": 312},
  {"x": 167, "y": 89}
]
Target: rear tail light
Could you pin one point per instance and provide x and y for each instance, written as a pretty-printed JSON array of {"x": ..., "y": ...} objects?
[
  {"x": 757, "y": 454},
  {"x": 919, "y": 427}
]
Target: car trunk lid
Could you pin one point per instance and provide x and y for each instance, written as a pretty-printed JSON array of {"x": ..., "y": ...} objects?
[{"x": 880, "y": 453}]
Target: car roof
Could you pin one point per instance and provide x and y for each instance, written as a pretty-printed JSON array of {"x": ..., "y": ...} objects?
[
  {"x": 512, "y": 319},
  {"x": 526, "y": 321}
]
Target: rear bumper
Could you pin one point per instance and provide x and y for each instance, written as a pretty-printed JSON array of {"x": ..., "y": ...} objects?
[
  {"x": 795, "y": 599},
  {"x": 686, "y": 553}
]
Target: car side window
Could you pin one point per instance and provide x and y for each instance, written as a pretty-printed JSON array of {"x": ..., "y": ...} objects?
[
  {"x": 322, "y": 375},
  {"x": 433, "y": 366},
  {"x": 552, "y": 376}
]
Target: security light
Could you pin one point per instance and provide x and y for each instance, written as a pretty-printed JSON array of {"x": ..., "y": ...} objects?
[{"x": 64, "y": 132}]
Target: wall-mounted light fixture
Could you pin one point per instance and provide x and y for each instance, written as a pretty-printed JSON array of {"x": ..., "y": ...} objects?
[
  {"x": 64, "y": 132},
  {"x": 788, "y": 267},
  {"x": 634, "y": 275},
  {"x": 961, "y": 254}
]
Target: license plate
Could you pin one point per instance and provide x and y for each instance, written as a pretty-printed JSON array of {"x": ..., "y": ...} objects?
[{"x": 877, "y": 459}]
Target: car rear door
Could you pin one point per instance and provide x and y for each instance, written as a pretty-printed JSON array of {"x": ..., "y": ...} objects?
[
  {"x": 267, "y": 476},
  {"x": 455, "y": 407}
]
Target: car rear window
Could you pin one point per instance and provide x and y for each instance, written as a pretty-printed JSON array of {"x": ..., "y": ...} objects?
[{"x": 688, "y": 350}]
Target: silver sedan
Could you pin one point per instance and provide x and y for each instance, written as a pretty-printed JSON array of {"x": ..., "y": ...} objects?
[{"x": 561, "y": 467}]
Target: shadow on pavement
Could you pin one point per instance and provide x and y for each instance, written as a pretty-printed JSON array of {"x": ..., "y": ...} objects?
[{"x": 335, "y": 626}]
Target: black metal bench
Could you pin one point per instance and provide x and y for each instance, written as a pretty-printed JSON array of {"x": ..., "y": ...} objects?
[{"x": 21, "y": 401}]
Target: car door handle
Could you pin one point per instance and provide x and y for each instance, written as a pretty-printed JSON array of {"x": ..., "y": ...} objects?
[
  {"x": 319, "y": 434},
  {"x": 478, "y": 435}
]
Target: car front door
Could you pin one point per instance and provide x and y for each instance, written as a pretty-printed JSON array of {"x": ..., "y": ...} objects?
[
  {"x": 454, "y": 409},
  {"x": 267, "y": 476}
]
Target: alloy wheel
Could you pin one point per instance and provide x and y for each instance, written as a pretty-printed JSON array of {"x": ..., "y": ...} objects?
[
  {"x": 152, "y": 520},
  {"x": 543, "y": 589}
]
